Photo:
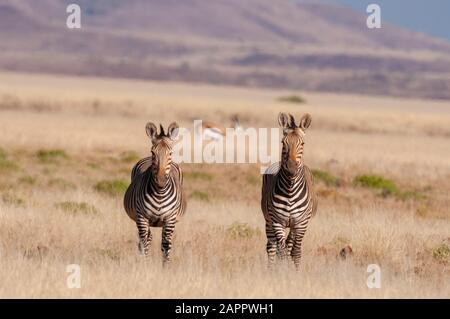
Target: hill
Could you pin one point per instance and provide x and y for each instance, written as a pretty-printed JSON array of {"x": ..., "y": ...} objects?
[{"x": 253, "y": 43}]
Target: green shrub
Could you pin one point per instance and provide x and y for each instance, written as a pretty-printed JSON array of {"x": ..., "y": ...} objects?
[
  {"x": 113, "y": 187},
  {"x": 441, "y": 253},
  {"x": 109, "y": 253},
  {"x": 13, "y": 200},
  {"x": 198, "y": 176},
  {"x": 93, "y": 165},
  {"x": 242, "y": 230},
  {"x": 74, "y": 207},
  {"x": 254, "y": 179},
  {"x": 30, "y": 180},
  {"x": 61, "y": 184},
  {"x": 5, "y": 164},
  {"x": 292, "y": 99},
  {"x": 425, "y": 210},
  {"x": 325, "y": 177},
  {"x": 411, "y": 195},
  {"x": 386, "y": 186},
  {"x": 129, "y": 157},
  {"x": 51, "y": 156},
  {"x": 202, "y": 196}
]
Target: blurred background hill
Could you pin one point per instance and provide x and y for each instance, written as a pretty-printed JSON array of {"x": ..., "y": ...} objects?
[{"x": 263, "y": 43}]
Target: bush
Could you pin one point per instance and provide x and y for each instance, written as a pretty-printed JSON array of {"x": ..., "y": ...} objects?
[
  {"x": 198, "y": 176},
  {"x": 441, "y": 253},
  {"x": 242, "y": 230},
  {"x": 93, "y": 165},
  {"x": 386, "y": 186},
  {"x": 30, "y": 180},
  {"x": 412, "y": 195},
  {"x": 13, "y": 200},
  {"x": 325, "y": 177},
  {"x": 425, "y": 210},
  {"x": 202, "y": 196},
  {"x": 5, "y": 164},
  {"x": 254, "y": 179},
  {"x": 109, "y": 253},
  {"x": 113, "y": 188},
  {"x": 292, "y": 99},
  {"x": 61, "y": 184},
  {"x": 129, "y": 157},
  {"x": 51, "y": 156},
  {"x": 74, "y": 207}
]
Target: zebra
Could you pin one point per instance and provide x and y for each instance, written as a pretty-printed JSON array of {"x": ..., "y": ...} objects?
[
  {"x": 155, "y": 196},
  {"x": 288, "y": 199}
]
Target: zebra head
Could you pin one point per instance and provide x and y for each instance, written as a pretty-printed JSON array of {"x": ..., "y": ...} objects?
[
  {"x": 161, "y": 151},
  {"x": 293, "y": 141}
]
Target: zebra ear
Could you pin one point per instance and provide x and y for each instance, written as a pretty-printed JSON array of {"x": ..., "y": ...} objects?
[
  {"x": 283, "y": 120},
  {"x": 172, "y": 131},
  {"x": 305, "y": 121},
  {"x": 150, "y": 128}
]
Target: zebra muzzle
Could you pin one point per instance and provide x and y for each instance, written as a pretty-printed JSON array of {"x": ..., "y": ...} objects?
[
  {"x": 293, "y": 165},
  {"x": 161, "y": 180}
]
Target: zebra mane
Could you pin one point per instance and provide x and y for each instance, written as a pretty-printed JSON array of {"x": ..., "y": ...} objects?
[
  {"x": 292, "y": 122},
  {"x": 161, "y": 134}
]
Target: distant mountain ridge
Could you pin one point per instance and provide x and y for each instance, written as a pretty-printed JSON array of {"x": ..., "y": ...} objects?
[{"x": 253, "y": 43}]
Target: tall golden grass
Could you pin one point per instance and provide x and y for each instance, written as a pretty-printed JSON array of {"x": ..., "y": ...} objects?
[{"x": 68, "y": 146}]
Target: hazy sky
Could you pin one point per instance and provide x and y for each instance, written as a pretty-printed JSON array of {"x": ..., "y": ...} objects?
[{"x": 428, "y": 16}]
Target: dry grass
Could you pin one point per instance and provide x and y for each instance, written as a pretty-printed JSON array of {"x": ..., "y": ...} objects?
[{"x": 54, "y": 213}]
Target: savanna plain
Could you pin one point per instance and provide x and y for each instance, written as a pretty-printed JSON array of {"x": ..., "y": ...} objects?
[{"x": 67, "y": 146}]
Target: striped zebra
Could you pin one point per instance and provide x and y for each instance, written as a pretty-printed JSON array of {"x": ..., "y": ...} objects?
[
  {"x": 155, "y": 197},
  {"x": 288, "y": 199}
]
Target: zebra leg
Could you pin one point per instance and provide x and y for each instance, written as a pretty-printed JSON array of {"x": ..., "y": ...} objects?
[
  {"x": 166, "y": 243},
  {"x": 289, "y": 243},
  {"x": 280, "y": 235},
  {"x": 296, "y": 252},
  {"x": 271, "y": 247},
  {"x": 145, "y": 235},
  {"x": 282, "y": 253},
  {"x": 149, "y": 240}
]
